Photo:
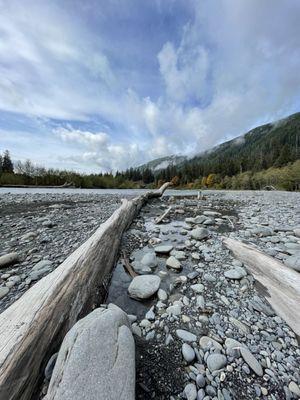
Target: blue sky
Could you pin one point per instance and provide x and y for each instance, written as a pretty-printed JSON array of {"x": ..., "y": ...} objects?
[{"x": 101, "y": 85}]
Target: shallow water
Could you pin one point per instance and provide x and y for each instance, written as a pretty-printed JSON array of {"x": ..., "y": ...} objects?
[
  {"x": 125, "y": 192},
  {"x": 170, "y": 234}
]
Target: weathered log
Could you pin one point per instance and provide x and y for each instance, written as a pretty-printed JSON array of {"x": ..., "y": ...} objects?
[
  {"x": 281, "y": 283},
  {"x": 32, "y": 328},
  {"x": 161, "y": 217}
]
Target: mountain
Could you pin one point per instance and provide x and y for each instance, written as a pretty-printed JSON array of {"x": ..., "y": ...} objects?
[
  {"x": 271, "y": 145},
  {"x": 163, "y": 163}
]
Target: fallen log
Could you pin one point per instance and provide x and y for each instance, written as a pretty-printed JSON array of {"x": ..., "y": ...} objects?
[
  {"x": 160, "y": 218},
  {"x": 127, "y": 266},
  {"x": 281, "y": 283},
  {"x": 33, "y": 327}
]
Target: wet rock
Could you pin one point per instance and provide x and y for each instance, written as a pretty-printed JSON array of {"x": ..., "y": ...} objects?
[
  {"x": 144, "y": 286},
  {"x": 9, "y": 259},
  {"x": 172, "y": 262},
  {"x": 180, "y": 255},
  {"x": 163, "y": 249},
  {"x": 149, "y": 260}
]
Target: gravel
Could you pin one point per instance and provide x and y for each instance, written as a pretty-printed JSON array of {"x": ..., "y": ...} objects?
[{"x": 39, "y": 231}]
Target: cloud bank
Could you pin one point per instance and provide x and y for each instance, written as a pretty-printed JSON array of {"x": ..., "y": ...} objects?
[{"x": 105, "y": 87}]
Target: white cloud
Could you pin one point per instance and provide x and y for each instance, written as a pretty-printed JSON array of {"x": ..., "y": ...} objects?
[
  {"x": 82, "y": 137},
  {"x": 236, "y": 64}
]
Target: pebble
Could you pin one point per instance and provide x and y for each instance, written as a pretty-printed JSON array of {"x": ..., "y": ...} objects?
[
  {"x": 173, "y": 262},
  {"x": 251, "y": 361},
  {"x": 190, "y": 391},
  {"x": 186, "y": 336},
  {"x": 187, "y": 352},
  {"x": 216, "y": 362}
]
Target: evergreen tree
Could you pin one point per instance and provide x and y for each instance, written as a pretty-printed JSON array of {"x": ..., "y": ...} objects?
[{"x": 7, "y": 165}]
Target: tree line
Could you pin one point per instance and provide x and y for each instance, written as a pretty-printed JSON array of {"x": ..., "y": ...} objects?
[
  {"x": 285, "y": 177},
  {"x": 27, "y": 173}
]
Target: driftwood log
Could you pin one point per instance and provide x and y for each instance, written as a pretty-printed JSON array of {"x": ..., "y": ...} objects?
[
  {"x": 281, "y": 283},
  {"x": 161, "y": 217},
  {"x": 33, "y": 327}
]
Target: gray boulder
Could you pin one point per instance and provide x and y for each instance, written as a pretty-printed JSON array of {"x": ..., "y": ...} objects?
[
  {"x": 144, "y": 286},
  {"x": 96, "y": 359},
  {"x": 235, "y": 273},
  {"x": 199, "y": 233},
  {"x": 8, "y": 259},
  {"x": 293, "y": 262}
]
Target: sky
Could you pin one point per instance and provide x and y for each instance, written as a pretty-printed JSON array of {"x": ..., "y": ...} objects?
[{"x": 102, "y": 85}]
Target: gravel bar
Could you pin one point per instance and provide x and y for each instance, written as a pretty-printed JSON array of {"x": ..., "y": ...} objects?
[{"x": 43, "y": 230}]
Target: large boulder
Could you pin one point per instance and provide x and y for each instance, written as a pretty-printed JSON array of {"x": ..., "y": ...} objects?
[
  {"x": 144, "y": 286},
  {"x": 96, "y": 359}
]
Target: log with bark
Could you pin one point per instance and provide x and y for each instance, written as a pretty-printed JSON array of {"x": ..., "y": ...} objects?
[
  {"x": 33, "y": 327},
  {"x": 281, "y": 283}
]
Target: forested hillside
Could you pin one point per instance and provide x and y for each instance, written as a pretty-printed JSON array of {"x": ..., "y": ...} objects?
[{"x": 271, "y": 145}]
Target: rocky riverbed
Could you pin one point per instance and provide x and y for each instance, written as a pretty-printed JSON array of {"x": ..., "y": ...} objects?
[
  {"x": 38, "y": 231},
  {"x": 203, "y": 327}
]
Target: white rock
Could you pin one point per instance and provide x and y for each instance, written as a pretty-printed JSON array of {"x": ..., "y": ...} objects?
[
  {"x": 163, "y": 249},
  {"x": 186, "y": 336},
  {"x": 162, "y": 295},
  {"x": 172, "y": 262},
  {"x": 198, "y": 287},
  {"x": 144, "y": 286}
]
